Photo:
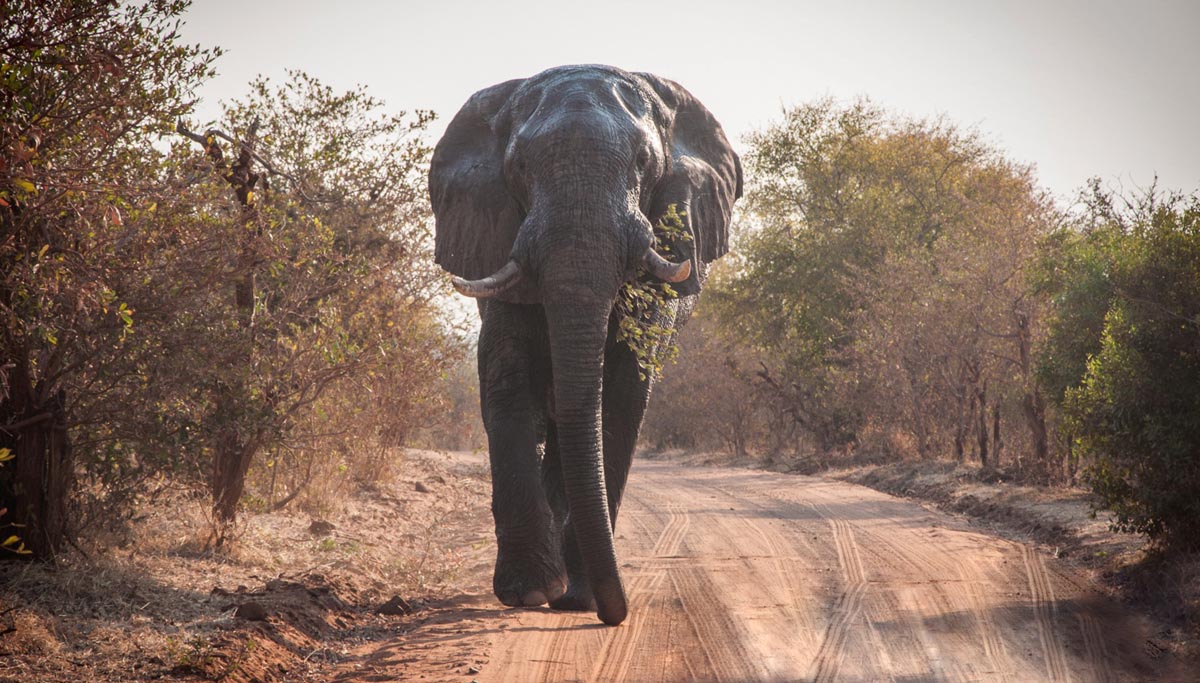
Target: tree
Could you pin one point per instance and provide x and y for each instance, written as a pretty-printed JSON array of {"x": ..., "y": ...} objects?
[
  {"x": 883, "y": 279},
  {"x": 176, "y": 313},
  {"x": 1128, "y": 378},
  {"x": 85, "y": 88},
  {"x": 324, "y": 297}
]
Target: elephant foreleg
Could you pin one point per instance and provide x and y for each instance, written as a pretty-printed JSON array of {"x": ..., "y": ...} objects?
[{"x": 528, "y": 561}]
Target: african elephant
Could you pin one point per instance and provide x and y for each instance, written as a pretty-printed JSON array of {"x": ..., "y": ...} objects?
[{"x": 545, "y": 192}]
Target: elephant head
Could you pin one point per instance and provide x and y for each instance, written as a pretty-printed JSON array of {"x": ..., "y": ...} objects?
[{"x": 545, "y": 191}]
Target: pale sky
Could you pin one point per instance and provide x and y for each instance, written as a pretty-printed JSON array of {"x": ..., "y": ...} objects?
[{"x": 1079, "y": 88}]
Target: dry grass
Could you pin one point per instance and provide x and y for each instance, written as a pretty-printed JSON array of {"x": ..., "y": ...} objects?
[{"x": 160, "y": 601}]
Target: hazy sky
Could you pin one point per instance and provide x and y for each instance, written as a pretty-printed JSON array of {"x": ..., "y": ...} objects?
[{"x": 1077, "y": 88}]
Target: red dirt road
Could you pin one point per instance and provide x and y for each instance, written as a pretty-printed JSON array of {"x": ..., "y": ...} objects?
[{"x": 737, "y": 575}]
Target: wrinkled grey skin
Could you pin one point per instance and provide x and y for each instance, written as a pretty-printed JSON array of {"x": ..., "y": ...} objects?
[{"x": 565, "y": 174}]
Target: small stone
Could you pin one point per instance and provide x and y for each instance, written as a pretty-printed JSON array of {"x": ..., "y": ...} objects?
[
  {"x": 473, "y": 670},
  {"x": 421, "y": 488},
  {"x": 397, "y": 606},
  {"x": 320, "y": 527},
  {"x": 251, "y": 611}
]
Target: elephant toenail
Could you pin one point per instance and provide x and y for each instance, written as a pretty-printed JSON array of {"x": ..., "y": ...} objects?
[{"x": 533, "y": 598}]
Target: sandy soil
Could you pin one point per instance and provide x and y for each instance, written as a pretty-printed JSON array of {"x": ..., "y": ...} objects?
[
  {"x": 733, "y": 575},
  {"x": 736, "y": 575}
]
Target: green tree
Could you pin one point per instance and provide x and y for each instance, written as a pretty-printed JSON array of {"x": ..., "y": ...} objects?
[
  {"x": 1074, "y": 274},
  {"x": 1132, "y": 408},
  {"x": 881, "y": 278},
  {"x": 320, "y": 319}
]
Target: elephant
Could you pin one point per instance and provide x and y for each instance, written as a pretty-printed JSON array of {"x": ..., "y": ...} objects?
[{"x": 546, "y": 192}]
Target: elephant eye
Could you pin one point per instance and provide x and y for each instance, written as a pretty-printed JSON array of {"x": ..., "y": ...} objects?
[{"x": 643, "y": 157}]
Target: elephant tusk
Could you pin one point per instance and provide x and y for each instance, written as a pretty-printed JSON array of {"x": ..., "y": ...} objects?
[
  {"x": 665, "y": 270},
  {"x": 500, "y": 281}
]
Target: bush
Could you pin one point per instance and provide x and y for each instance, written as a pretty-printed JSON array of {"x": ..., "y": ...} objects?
[
  {"x": 175, "y": 313},
  {"x": 1135, "y": 413},
  {"x": 86, "y": 88}
]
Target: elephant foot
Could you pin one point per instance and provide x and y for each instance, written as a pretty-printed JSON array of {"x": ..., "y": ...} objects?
[
  {"x": 527, "y": 584},
  {"x": 577, "y": 598}
]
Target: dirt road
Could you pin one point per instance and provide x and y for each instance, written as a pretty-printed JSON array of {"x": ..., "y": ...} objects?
[{"x": 737, "y": 575}]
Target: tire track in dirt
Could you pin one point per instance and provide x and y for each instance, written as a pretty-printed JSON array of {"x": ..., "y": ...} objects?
[
  {"x": 616, "y": 655},
  {"x": 848, "y": 607},
  {"x": 1093, "y": 644},
  {"x": 895, "y": 602},
  {"x": 951, "y": 578},
  {"x": 1041, "y": 594},
  {"x": 744, "y": 553},
  {"x": 993, "y": 646},
  {"x": 671, "y": 539},
  {"x": 780, "y": 558},
  {"x": 744, "y": 576},
  {"x": 715, "y": 631},
  {"x": 943, "y": 574}
]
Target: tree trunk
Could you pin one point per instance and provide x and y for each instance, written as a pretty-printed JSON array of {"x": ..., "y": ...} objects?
[
  {"x": 230, "y": 464},
  {"x": 41, "y": 475},
  {"x": 235, "y": 450},
  {"x": 982, "y": 430},
  {"x": 1035, "y": 417},
  {"x": 960, "y": 426},
  {"x": 997, "y": 444},
  {"x": 1033, "y": 405}
]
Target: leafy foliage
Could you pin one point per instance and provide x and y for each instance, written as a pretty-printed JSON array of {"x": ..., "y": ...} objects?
[
  {"x": 86, "y": 87},
  {"x": 1128, "y": 376},
  {"x": 312, "y": 336},
  {"x": 644, "y": 309},
  {"x": 881, "y": 276},
  {"x": 153, "y": 318}
]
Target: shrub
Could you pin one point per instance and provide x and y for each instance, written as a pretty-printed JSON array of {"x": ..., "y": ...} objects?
[{"x": 1135, "y": 412}]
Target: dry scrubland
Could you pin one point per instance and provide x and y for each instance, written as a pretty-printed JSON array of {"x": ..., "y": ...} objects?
[
  {"x": 216, "y": 339},
  {"x": 294, "y": 596}
]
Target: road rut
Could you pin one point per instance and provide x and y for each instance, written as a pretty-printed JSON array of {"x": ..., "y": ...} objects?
[{"x": 738, "y": 575}]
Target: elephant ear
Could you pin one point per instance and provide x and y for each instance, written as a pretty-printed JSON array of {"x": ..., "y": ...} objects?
[
  {"x": 702, "y": 180},
  {"x": 476, "y": 218}
]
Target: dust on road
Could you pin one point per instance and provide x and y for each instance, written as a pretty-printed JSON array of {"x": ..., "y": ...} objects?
[{"x": 737, "y": 575}]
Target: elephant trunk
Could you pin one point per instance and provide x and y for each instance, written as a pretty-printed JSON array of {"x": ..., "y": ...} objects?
[{"x": 577, "y": 336}]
